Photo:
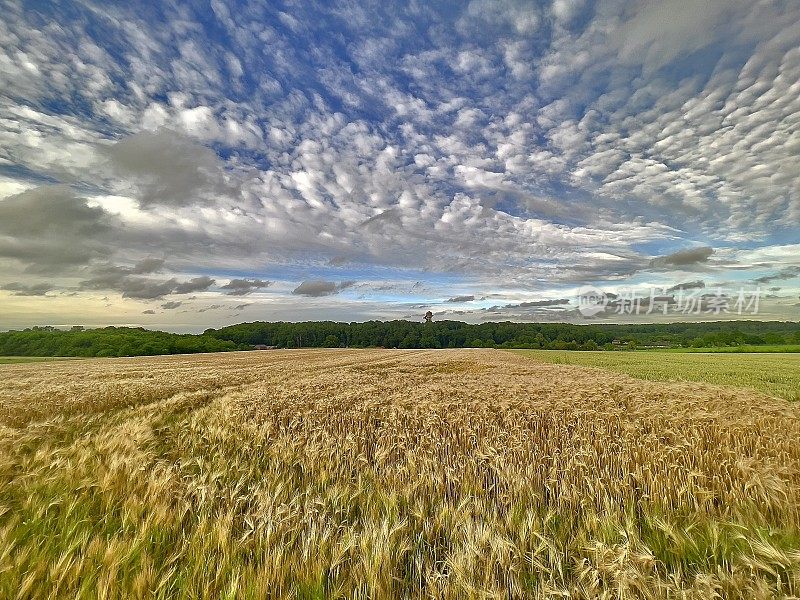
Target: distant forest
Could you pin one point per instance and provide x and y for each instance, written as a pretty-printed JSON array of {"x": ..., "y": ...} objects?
[
  {"x": 108, "y": 341},
  {"x": 552, "y": 336},
  {"x": 126, "y": 341}
]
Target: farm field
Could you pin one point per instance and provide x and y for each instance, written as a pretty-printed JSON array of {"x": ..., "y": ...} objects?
[
  {"x": 776, "y": 374},
  {"x": 5, "y": 360},
  {"x": 780, "y": 348},
  {"x": 389, "y": 474}
]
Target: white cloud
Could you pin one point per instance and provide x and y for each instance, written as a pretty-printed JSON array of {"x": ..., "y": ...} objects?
[{"x": 520, "y": 145}]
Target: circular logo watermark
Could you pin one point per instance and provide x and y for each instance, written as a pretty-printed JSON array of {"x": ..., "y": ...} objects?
[{"x": 591, "y": 301}]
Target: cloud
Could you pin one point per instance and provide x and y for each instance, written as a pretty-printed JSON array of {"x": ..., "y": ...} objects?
[
  {"x": 683, "y": 258},
  {"x": 688, "y": 285},
  {"x": 171, "y": 305},
  {"x": 168, "y": 169},
  {"x": 317, "y": 287},
  {"x": 660, "y": 31},
  {"x": 210, "y": 307},
  {"x": 242, "y": 287},
  {"x": 149, "y": 311},
  {"x": 788, "y": 273},
  {"x": 539, "y": 303},
  {"x": 458, "y": 299},
  {"x": 21, "y": 289},
  {"x": 565, "y": 11},
  {"x": 504, "y": 15},
  {"x": 148, "y": 265},
  {"x": 49, "y": 228},
  {"x": 120, "y": 279},
  {"x": 196, "y": 284},
  {"x": 143, "y": 288},
  {"x": 519, "y": 148}
]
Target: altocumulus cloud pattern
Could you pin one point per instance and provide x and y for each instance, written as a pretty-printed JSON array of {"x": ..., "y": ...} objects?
[{"x": 160, "y": 161}]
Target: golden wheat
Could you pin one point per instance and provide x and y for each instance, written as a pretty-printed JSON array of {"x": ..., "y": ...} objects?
[{"x": 386, "y": 474}]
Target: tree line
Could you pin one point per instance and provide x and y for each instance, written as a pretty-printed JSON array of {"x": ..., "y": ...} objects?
[
  {"x": 107, "y": 341},
  {"x": 553, "y": 336},
  {"x": 128, "y": 341}
]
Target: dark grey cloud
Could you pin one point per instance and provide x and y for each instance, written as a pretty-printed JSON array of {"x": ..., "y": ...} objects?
[
  {"x": 49, "y": 228},
  {"x": 316, "y": 288},
  {"x": 539, "y": 303},
  {"x": 242, "y": 287},
  {"x": 196, "y": 284},
  {"x": 782, "y": 275},
  {"x": 121, "y": 280},
  {"x": 683, "y": 258},
  {"x": 456, "y": 299},
  {"x": 49, "y": 210},
  {"x": 169, "y": 169},
  {"x": 149, "y": 311},
  {"x": 143, "y": 288},
  {"x": 171, "y": 305},
  {"x": 687, "y": 285},
  {"x": 148, "y": 265},
  {"x": 210, "y": 307},
  {"x": 21, "y": 289},
  {"x": 528, "y": 310}
]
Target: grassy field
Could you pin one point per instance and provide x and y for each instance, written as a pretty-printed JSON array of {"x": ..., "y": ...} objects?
[
  {"x": 390, "y": 474},
  {"x": 783, "y": 348},
  {"x": 772, "y": 373}
]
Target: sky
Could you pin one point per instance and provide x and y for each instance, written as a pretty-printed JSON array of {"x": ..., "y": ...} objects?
[{"x": 185, "y": 165}]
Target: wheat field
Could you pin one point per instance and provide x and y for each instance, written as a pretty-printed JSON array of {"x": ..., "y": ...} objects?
[{"x": 390, "y": 474}]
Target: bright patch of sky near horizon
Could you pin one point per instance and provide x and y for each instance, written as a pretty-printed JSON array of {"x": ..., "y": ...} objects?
[{"x": 183, "y": 165}]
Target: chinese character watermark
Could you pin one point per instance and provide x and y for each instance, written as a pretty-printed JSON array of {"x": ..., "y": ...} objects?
[{"x": 593, "y": 302}]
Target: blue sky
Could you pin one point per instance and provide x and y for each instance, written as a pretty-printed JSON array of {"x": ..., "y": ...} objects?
[{"x": 182, "y": 165}]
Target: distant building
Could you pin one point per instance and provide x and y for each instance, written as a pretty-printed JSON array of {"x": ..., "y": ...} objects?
[{"x": 264, "y": 347}]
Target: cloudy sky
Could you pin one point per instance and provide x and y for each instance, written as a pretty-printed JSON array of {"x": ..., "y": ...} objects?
[{"x": 183, "y": 165}]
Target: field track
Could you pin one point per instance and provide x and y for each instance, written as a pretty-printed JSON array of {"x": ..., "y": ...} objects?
[{"x": 381, "y": 474}]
